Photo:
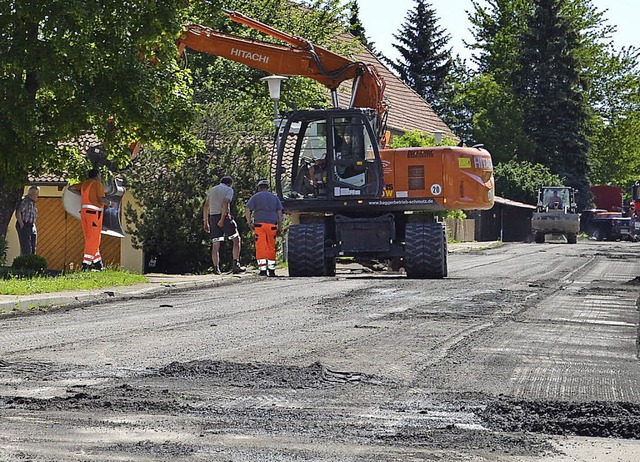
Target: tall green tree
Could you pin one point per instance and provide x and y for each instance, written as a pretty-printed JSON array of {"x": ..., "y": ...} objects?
[
  {"x": 495, "y": 114},
  {"x": 67, "y": 67},
  {"x": 355, "y": 25},
  {"x": 455, "y": 109},
  {"x": 615, "y": 136},
  {"x": 424, "y": 60},
  {"x": 497, "y": 119},
  {"x": 552, "y": 87},
  {"x": 549, "y": 88},
  {"x": 497, "y": 27}
]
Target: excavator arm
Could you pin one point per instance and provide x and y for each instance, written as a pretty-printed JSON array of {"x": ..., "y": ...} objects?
[{"x": 299, "y": 58}]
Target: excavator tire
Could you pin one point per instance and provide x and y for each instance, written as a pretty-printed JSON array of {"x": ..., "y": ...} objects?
[
  {"x": 539, "y": 238},
  {"x": 305, "y": 254},
  {"x": 572, "y": 238},
  {"x": 425, "y": 251}
]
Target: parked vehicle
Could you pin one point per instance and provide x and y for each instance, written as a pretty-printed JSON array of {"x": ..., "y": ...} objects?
[
  {"x": 607, "y": 197},
  {"x": 611, "y": 220},
  {"x": 555, "y": 214},
  {"x": 609, "y": 226}
]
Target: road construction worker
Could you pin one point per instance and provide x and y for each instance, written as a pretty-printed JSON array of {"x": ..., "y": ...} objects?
[
  {"x": 266, "y": 224},
  {"x": 93, "y": 201},
  {"x": 219, "y": 223}
]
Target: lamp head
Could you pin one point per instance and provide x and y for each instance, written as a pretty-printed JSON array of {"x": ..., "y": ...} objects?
[{"x": 274, "y": 82}]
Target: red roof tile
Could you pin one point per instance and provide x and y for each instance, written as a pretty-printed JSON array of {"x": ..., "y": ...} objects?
[{"x": 85, "y": 142}]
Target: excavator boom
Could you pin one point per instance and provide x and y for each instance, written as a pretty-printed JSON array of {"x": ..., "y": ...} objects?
[{"x": 299, "y": 58}]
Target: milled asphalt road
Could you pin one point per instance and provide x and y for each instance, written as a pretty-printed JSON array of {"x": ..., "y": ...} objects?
[{"x": 159, "y": 284}]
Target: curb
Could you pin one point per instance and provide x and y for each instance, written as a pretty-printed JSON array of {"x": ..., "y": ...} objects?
[{"x": 45, "y": 303}]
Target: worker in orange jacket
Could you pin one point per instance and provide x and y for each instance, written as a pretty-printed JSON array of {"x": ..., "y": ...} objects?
[
  {"x": 266, "y": 225},
  {"x": 91, "y": 216}
]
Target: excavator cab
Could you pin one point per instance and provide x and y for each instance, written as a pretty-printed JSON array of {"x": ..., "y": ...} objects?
[{"x": 328, "y": 155}]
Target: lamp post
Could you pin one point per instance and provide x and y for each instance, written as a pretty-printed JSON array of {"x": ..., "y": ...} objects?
[
  {"x": 274, "y": 82},
  {"x": 438, "y": 135}
]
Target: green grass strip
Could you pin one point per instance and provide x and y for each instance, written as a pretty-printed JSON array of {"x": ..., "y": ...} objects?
[{"x": 71, "y": 281}]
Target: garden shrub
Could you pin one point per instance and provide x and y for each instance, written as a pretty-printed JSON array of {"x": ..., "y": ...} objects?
[{"x": 35, "y": 263}]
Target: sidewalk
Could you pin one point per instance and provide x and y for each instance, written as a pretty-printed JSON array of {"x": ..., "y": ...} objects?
[{"x": 158, "y": 284}]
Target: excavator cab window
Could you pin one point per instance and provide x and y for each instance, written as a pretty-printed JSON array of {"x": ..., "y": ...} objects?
[
  {"x": 308, "y": 141},
  {"x": 351, "y": 144},
  {"x": 329, "y": 155}
]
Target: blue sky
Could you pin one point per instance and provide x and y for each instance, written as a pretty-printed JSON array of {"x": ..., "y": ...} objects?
[{"x": 383, "y": 18}]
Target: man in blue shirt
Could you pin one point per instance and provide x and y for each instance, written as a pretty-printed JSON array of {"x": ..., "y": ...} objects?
[{"x": 266, "y": 224}]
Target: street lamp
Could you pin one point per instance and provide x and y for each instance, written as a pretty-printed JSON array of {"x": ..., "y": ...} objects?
[
  {"x": 274, "y": 82},
  {"x": 438, "y": 135}
]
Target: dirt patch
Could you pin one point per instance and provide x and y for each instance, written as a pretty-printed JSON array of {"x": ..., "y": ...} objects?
[
  {"x": 594, "y": 419},
  {"x": 263, "y": 375}
]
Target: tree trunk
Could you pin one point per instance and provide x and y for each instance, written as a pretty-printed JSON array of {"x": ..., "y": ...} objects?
[{"x": 9, "y": 197}]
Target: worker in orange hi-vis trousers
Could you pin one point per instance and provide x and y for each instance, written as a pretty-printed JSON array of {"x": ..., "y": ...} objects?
[
  {"x": 266, "y": 225},
  {"x": 91, "y": 216}
]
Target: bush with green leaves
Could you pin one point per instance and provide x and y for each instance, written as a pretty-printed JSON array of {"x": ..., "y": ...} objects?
[
  {"x": 416, "y": 138},
  {"x": 35, "y": 263},
  {"x": 519, "y": 180},
  {"x": 4, "y": 247},
  {"x": 168, "y": 223}
]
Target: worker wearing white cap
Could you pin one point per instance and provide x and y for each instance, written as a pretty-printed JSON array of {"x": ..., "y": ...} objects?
[{"x": 266, "y": 224}]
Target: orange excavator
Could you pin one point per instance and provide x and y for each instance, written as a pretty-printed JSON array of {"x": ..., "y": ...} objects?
[{"x": 348, "y": 194}]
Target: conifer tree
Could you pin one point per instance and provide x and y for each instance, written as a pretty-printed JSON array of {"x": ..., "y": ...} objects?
[
  {"x": 424, "y": 59},
  {"x": 549, "y": 82},
  {"x": 355, "y": 25},
  {"x": 356, "y": 28}
]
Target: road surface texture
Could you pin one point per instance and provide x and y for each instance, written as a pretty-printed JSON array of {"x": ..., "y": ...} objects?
[{"x": 526, "y": 352}]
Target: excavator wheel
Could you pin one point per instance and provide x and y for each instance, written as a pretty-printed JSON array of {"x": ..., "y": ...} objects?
[
  {"x": 572, "y": 238},
  {"x": 305, "y": 254},
  {"x": 425, "y": 251},
  {"x": 539, "y": 238}
]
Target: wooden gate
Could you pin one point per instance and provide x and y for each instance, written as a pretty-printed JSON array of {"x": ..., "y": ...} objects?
[{"x": 60, "y": 238}]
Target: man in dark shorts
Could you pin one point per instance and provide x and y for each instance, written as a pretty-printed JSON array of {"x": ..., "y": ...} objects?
[{"x": 219, "y": 223}]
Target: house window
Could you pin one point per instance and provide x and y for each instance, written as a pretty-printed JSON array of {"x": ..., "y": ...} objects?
[{"x": 416, "y": 177}]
